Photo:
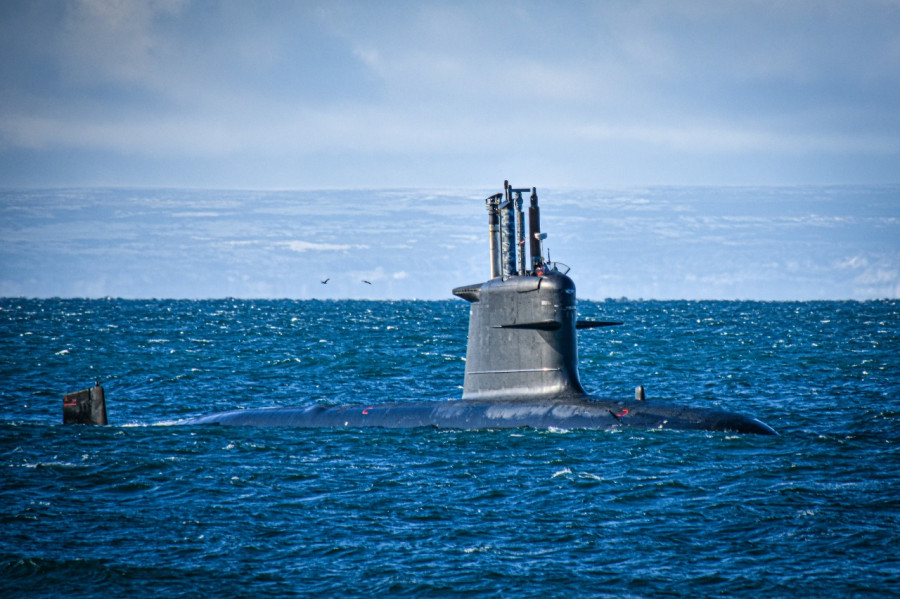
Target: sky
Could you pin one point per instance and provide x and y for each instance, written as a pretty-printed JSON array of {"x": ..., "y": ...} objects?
[
  {"x": 344, "y": 95},
  {"x": 692, "y": 149}
]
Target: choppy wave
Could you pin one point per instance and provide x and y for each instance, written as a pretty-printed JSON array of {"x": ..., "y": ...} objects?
[{"x": 176, "y": 511}]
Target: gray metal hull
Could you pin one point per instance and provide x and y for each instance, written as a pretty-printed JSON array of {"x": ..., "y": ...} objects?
[{"x": 565, "y": 414}]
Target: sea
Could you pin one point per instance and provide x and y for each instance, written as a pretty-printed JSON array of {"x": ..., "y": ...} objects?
[{"x": 149, "y": 507}]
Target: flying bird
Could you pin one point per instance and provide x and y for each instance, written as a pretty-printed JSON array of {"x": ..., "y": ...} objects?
[
  {"x": 366, "y": 282},
  {"x": 325, "y": 282}
]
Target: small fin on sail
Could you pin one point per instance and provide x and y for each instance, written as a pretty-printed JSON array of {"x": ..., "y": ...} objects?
[
  {"x": 543, "y": 325},
  {"x": 553, "y": 325},
  {"x": 593, "y": 324},
  {"x": 470, "y": 293}
]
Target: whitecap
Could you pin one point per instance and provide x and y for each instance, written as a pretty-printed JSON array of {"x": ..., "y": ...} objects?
[{"x": 558, "y": 431}]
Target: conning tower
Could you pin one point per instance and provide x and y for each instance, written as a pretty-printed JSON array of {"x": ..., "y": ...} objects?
[{"x": 522, "y": 321}]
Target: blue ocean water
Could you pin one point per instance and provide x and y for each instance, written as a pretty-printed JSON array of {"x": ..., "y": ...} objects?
[{"x": 147, "y": 507}]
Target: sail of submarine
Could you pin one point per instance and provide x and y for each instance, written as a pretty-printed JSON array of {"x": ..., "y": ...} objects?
[{"x": 521, "y": 358}]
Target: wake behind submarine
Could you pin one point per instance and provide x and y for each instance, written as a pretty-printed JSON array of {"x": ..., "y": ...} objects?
[{"x": 521, "y": 357}]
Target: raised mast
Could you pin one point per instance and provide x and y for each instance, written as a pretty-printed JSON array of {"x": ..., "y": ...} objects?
[
  {"x": 493, "y": 207},
  {"x": 507, "y": 232},
  {"x": 534, "y": 231}
]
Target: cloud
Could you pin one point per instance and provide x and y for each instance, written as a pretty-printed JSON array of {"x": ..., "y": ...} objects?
[
  {"x": 307, "y": 246},
  {"x": 118, "y": 40},
  {"x": 413, "y": 92},
  {"x": 708, "y": 242}
]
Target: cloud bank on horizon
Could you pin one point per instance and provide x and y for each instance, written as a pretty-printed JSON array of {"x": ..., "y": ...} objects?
[
  {"x": 706, "y": 242},
  {"x": 335, "y": 94}
]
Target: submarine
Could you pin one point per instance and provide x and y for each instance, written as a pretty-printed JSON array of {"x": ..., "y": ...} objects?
[{"x": 521, "y": 357}]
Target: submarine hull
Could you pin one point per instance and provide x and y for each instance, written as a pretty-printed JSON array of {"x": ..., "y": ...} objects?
[{"x": 584, "y": 414}]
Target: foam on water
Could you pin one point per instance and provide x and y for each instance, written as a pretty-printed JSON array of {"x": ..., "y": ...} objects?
[{"x": 147, "y": 507}]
